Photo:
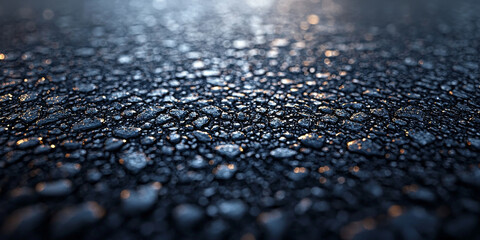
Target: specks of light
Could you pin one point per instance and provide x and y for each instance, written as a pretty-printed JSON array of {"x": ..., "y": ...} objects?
[
  {"x": 395, "y": 211},
  {"x": 313, "y": 19},
  {"x": 323, "y": 169},
  {"x": 331, "y": 53},
  {"x": 125, "y": 194},
  {"x": 299, "y": 170}
]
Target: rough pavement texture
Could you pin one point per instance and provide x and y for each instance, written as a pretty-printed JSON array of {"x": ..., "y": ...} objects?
[{"x": 199, "y": 119}]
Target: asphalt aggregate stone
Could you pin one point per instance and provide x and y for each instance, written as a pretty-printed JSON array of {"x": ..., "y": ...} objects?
[{"x": 272, "y": 119}]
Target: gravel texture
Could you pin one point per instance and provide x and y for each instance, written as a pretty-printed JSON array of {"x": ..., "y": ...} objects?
[{"x": 240, "y": 119}]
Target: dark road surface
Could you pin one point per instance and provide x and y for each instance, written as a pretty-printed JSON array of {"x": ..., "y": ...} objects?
[{"x": 239, "y": 119}]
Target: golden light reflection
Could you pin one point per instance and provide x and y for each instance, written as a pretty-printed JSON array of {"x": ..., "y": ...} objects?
[
  {"x": 2, "y": 56},
  {"x": 125, "y": 194},
  {"x": 323, "y": 169},
  {"x": 322, "y": 180},
  {"x": 299, "y": 170},
  {"x": 21, "y": 141},
  {"x": 96, "y": 209},
  {"x": 395, "y": 211},
  {"x": 313, "y": 19},
  {"x": 322, "y": 75},
  {"x": 287, "y": 81},
  {"x": 354, "y": 142},
  {"x": 39, "y": 187},
  {"x": 332, "y": 53},
  {"x": 157, "y": 185}
]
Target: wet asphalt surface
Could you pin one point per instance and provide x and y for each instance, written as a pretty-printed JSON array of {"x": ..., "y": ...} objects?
[{"x": 274, "y": 119}]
